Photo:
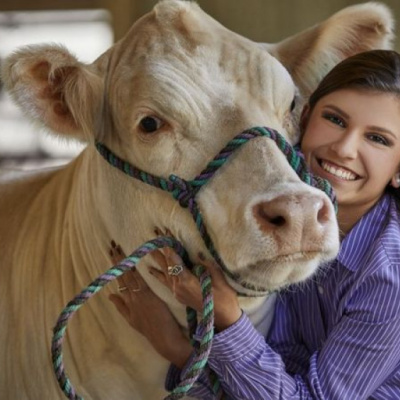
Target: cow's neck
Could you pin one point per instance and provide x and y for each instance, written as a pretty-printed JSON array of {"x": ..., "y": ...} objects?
[{"x": 104, "y": 205}]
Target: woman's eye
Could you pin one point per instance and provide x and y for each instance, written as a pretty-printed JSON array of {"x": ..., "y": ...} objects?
[
  {"x": 150, "y": 124},
  {"x": 335, "y": 119},
  {"x": 378, "y": 139}
]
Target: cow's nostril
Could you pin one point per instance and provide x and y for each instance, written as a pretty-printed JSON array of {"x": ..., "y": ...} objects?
[
  {"x": 278, "y": 221},
  {"x": 293, "y": 215},
  {"x": 270, "y": 215}
]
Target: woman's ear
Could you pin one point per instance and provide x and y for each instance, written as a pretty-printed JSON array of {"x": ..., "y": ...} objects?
[
  {"x": 305, "y": 114},
  {"x": 395, "y": 182}
]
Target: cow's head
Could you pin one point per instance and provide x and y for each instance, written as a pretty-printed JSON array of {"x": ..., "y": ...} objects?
[{"x": 175, "y": 90}]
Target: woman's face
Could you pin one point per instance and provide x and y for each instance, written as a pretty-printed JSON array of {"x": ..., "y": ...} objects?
[{"x": 352, "y": 139}]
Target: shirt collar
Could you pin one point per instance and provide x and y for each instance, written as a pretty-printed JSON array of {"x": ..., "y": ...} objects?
[{"x": 358, "y": 241}]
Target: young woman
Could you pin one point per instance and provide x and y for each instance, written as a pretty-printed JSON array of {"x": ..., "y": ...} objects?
[{"x": 338, "y": 337}]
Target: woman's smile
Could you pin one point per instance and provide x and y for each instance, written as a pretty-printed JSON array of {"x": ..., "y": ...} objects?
[{"x": 336, "y": 171}]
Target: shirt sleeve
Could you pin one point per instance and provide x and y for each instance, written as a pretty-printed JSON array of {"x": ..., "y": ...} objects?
[
  {"x": 201, "y": 388},
  {"x": 360, "y": 353}
]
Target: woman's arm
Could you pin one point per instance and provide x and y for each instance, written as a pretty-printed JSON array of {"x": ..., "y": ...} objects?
[{"x": 360, "y": 352}]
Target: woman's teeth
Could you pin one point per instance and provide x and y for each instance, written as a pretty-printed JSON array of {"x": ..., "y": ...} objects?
[{"x": 339, "y": 172}]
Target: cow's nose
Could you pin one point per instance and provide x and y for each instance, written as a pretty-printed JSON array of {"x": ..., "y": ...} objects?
[{"x": 293, "y": 214}]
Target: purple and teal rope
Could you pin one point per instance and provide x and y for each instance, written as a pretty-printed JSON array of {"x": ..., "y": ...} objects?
[
  {"x": 73, "y": 306},
  {"x": 202, "y": 347},
  {"x": 185, "y": 190}
]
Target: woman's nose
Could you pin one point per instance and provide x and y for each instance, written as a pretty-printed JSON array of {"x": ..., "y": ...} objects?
[{"x": 347, "y": 145}]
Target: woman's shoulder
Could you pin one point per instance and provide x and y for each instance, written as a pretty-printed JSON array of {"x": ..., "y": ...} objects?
[
  {"x": 389, "y": 238},
  {"x": 386, "y": 246},
  {"x": 375, "y": 240}
]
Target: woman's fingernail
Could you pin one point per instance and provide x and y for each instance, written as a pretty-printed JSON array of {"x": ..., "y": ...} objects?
[
  {"x": 113, "y": 244},
  {"x": 202, "y": 256},
  {"x": 175, "y": 257}
]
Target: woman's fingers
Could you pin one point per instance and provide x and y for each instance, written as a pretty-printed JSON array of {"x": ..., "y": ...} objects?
[
  {"x": 120, "y": 305},
  {"x": 172, "y": 257},
  {"x": 159, "y": 275},
  {"x": 116, "y": 253},
  {"x": 131, "y": 282},
  {"x": 182, "y": 283},
  {"x": 172, "y": 281},
  {"x": 172, "y": 273},
  {"x": 172, "y": 269},
  {"x": 175, "y": 268},
  {"x": 159, "y": 258}
]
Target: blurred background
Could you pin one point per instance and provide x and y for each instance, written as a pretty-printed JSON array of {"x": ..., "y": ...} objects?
[{"x": 89, "y": 27}]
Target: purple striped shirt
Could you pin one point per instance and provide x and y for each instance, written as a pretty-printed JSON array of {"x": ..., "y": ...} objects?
[{"x": 334, "y": 337}]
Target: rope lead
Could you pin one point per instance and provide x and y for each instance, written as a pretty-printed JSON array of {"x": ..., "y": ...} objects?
[{"x": 202, "y": 346}]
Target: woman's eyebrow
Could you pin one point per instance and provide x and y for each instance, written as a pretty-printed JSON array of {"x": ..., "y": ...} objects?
[{"x": 337, "y": 109}]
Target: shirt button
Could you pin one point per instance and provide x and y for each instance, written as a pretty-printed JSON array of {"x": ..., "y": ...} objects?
[{"x": 321, "y": 289}]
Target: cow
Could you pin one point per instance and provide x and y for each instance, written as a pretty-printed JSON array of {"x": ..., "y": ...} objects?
[{"x": 166, "y": 98}]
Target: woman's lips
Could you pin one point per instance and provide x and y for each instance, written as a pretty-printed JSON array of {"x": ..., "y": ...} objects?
[{"x": 337, "y": 171}]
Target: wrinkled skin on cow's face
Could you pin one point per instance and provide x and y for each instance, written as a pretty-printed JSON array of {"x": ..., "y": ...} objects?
[{"x": 166, "y": 98}]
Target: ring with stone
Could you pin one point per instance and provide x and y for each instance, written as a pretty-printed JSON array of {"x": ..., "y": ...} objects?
[{"x": 175, "y": 270}]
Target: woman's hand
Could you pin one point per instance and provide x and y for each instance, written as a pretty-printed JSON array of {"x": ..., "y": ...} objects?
[
  {"x": 146, "y": 313},
  {"x": 186, "y": 287}
]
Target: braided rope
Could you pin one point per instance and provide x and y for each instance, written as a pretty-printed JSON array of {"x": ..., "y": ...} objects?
[
  {"x": 185, "y": 191},
  {"x": 202, "y": 346},
  {"x": 295, "y": 160},
  {"x": 73, "y": 306}
]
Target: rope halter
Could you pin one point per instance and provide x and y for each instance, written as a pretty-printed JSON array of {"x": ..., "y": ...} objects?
[{"x": 185, "y": 191}]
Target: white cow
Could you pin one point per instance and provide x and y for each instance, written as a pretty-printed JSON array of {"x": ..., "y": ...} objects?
[{"x": 167, "y": 98}]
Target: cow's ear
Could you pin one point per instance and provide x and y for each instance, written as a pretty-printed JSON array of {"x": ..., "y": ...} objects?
[
  {"x": 311, "y": 54},
  {"x": 52, "y": 87}
]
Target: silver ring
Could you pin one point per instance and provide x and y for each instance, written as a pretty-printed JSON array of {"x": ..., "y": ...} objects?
[
  {"x": 123, "y": 288},
  {"x": 175, "y": 270}
]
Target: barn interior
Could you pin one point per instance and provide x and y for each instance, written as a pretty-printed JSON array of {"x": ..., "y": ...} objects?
[{"x": 89, "y": 27}]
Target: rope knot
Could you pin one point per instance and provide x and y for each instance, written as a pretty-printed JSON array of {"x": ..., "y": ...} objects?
[{"x": 183, "y": 191}]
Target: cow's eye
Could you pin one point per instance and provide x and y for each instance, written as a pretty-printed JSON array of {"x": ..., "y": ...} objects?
[
  {"x": 293, "y": 105},
  {"x": 150, "y": 124}
]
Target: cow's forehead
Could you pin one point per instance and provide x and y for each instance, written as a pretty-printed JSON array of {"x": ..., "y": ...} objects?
[
  {"x": 186, "y": 39},
  {"x": 182, "y": 49}
]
